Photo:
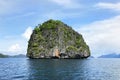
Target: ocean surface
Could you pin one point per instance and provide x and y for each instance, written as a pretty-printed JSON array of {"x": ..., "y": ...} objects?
[{"x": 59, "y": 69}]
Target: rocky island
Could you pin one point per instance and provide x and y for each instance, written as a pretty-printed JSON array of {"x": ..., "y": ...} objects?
[{"x": 54, "y": 39}]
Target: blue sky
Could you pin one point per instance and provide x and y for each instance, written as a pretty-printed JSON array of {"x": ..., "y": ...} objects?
[{"x": 97, "y": 20}]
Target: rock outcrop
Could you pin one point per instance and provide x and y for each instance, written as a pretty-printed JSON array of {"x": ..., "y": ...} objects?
[{"x": 54, "y": 39}]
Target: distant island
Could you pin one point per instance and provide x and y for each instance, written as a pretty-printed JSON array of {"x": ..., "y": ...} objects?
[
  {"x": 14, "y": 56},
  {"x": 91, "y": 57},
  {"x": 3, "y": 56},
  {"x": 54, "y": 39},
  {"x": 112, "y": 55},
  {"x": 18, "y": 56}
]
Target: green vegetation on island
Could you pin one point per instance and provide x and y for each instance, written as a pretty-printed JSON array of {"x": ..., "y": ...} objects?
[{"x": 53, "y": 38}]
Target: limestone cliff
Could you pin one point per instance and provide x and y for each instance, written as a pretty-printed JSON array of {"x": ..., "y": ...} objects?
[{"x": 54, "y": 39}]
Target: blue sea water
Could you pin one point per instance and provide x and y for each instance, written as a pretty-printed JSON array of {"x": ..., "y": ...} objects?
[{"x": 59, "y": 69}]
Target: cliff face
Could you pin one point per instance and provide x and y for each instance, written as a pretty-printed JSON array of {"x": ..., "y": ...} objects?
[{"x": 54, "y": 39}]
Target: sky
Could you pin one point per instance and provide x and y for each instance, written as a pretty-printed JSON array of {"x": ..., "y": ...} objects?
[{"x": 97, "y": 20}]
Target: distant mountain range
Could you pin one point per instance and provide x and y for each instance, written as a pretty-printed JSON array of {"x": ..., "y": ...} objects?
[
  {"x": 3, "y": 56},
  {"x": 18, "y": 56},
  {"x": 14, "y": 56},
  {"x": 91, "y": 57},
  {"x": 112, "y": 55}
]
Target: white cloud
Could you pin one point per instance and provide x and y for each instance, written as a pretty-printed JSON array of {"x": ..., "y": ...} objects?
[
  {"x": 103, "y": 36},
  {"x": 67, "y": 3},
  {"x": 111, "y": 6},
  {"x": 13, "y": 45},
  {"x": 27, "y": 33},
  {"x": 14, "y": 48}
]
